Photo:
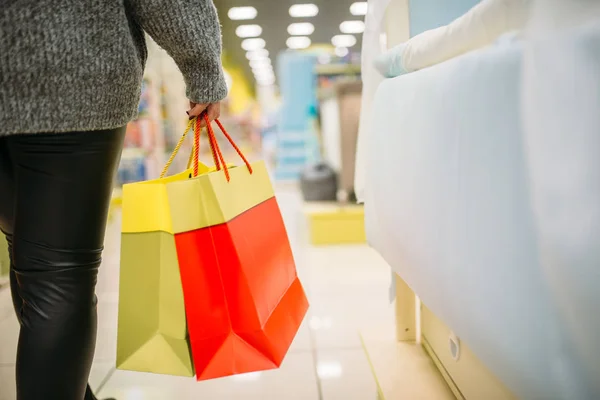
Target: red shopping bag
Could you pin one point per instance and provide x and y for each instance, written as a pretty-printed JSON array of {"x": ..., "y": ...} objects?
[{"x": 244, "y": 302}]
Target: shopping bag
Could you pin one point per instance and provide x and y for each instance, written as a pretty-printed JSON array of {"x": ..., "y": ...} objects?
[
  {"x": 152, "y": 330},
  {"x": 244, "y": 302}
]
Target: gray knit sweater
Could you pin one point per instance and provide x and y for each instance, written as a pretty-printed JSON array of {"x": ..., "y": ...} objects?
[{"x": 75, "y": 65}]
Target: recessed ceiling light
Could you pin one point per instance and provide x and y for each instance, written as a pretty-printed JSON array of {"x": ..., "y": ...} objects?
[
  {"x": 343, "y": 40},
  {"x": 341, "y": 51},
  {"x": 262, "y": 69},
  {"x": 301, "y": 29},
  {"x": 304, "y": 10},
  {"x": 253, "y": 44},
  {"x": 242, "y": 13},
  {"x": 266, "y": 76},
  {"x": 324, "y": 58},
  {"x": 246, "y": 31},
  {"x": 266, "y": 73},
  {"x": 352, "y": 27},
  {"x": 260, "y": 62},
  {"x": 359, "y": 8},
  {"x": 266, "y": 81},
  {"x": 257, "y": 54},
  {"x": 298, "y": 42}
]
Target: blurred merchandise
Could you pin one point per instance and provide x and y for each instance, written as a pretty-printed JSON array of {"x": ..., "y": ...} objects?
[
  {"x": 318, "y": 182},
  {"x": 132, "y": 167},
  {"x": 313, "y": 144},
  {"x": 298, "y": 91},
  {"x": 340, "y": 115},
  {"x": 144, "y": 106}
]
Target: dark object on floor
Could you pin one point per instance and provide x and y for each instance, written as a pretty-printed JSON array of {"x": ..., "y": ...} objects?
[{"x": 319, "y": 183}]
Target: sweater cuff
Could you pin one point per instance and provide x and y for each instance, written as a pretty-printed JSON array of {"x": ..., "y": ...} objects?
[{"x": 205, "y": 86}]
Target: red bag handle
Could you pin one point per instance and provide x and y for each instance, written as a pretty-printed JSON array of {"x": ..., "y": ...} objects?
[
  {"x": 214, "y": 147},
  {"x": 216, "y": 150}
]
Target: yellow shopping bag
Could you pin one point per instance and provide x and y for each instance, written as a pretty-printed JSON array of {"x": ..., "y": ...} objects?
[{"x": 152, "y": 330}]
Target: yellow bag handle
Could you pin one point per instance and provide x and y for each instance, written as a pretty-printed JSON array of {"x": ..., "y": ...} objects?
[
  {"x": 177, "y": 148},
  {"x": 214, "y": 146}
]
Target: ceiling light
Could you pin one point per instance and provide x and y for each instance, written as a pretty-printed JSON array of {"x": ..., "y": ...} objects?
[
  {"x": 298, "y": 42},
  {"x": 303, "y": 10},
  {"x": 257, "y": 54},
  {"x": 341, "y": 51},
  {"x": 266, "y": 82},
  {"x": 242, "y": 13},
  {"x": 324, "y": 58},
  {"x": 246, "y": 31},
  {"x": 343, "y": 40},
  {"x": 359, "y": 8},
  {"x": 264, "y": 76},
  {"x": 253, "y": 44},
  {"x": 262, "y": 68},
  {"x": 260, "y": 62},
  {"x": 266, "y": 69},
  {"x": 301, "y": 29},
  {"x": 352, "y": 27}
]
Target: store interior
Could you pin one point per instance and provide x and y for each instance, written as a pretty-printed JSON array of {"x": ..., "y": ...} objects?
[{"x": 402, "y": 274}]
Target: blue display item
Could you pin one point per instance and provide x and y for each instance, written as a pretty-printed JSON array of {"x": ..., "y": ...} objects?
[
  {"x": 131, "y": 170},
  {"x": 144, "y": 105},
  {"x": 284, "y": 145},
  {"x": 289, "y": 173},
  {"x": 285, "y": 160},
  {"x": 430, "y": 14},
  {"x": 298, "y": 88}
]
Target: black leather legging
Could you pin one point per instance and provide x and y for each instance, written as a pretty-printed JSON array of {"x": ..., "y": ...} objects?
[{"x": 55, "y": 191}]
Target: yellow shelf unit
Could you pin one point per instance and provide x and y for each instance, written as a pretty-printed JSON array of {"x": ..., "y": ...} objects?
[{"x": 334, "y": 223}]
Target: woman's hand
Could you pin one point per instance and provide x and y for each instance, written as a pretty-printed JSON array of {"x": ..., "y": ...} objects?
[{"x": 213, "y": 110}]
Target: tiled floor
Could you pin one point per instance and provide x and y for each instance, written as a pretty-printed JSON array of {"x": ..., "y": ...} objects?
[{"x": 348, "y": 290}]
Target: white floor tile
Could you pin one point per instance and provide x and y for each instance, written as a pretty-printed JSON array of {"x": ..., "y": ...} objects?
[
  {"x": 8, "y": 390},
  {"x": 106, "y": 344},
  {"x": 345, "y": 375},
  {"x": 338, "y": 315},
  {"x": 6, "y": 307},
  {"x": 302, "y": 341},
  {"x": 8, "y": 387},
  {"x": 100, "y": 371},
  {"x": 352, "y": 267},
  {"x": 9, "y": 336},
  {"x": 295, "y": 380}
]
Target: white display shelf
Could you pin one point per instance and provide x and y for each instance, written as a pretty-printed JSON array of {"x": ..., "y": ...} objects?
[{"x": 402, "y": 370}]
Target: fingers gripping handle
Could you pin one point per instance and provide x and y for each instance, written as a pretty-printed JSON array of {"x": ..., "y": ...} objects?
[{"x": 214, "y": 147}]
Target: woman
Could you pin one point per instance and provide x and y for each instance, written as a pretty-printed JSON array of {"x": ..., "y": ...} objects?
[{"x": 70, "y": 77}]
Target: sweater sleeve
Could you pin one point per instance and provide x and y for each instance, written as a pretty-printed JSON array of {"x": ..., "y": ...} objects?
[{"x": 189, "y": 31}]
